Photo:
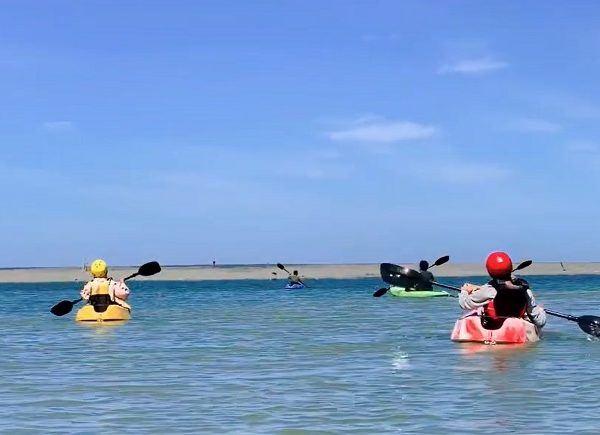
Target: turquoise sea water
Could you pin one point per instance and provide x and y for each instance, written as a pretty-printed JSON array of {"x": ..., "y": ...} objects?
[{"x": 250, "y": 357}]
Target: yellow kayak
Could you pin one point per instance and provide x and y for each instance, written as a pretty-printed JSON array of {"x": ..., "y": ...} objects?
[{"x": 113, "y": 313}]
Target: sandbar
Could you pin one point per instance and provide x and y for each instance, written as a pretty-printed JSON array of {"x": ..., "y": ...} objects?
[{"x": 267, "y": 272}]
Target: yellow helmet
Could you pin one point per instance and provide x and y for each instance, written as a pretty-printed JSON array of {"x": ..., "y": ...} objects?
[{"x": 99, "y": 269}]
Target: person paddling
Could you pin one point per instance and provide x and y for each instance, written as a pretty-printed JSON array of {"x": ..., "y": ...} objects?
[
  {"x": 503, "y": 296},
  {"x": 102, "y": 291},
  {"x": 294, "y": 278},
  {"x": 425, "y": 283}
]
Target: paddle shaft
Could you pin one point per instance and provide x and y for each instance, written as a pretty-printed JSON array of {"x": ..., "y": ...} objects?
[
  {"x": 562, "y": 316},
  {"x": 450, "y": 287},
  {"x": 133, "y": 275}
]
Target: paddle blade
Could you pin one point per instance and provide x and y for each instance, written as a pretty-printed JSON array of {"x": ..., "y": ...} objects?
[
  {"x": 279, "y": 265},
  {"x": 62, "y": 308},
  {"x": 149, "y": 269},
  {"x": 590, "y": 325},
  {"x": 398, "y": 275},
  {"x": 523, "y": 265},
  {"x": 441, "y": 261},
  {"x": 380, "y": 292}
]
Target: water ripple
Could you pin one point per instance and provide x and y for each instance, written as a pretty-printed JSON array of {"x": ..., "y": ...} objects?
[{"x": 250, "y": 357}]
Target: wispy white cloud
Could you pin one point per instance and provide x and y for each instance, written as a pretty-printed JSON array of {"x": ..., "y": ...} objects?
[
  {"x": 582, "y": 110},
  {"x": 464, "y": 172},
  {"x": 535, "y": 126},
  {"x": 328, "y": 154},
  {"x": 382, "y": 131},
  {"x": 572, "y": 106},
  {"x": 583, "y": 147},
  {"x": 327, "y": 172},
  {"x": 58, "y": 126},
  {"x": 325, "y": 164},
  {"x": 584, "y": 153},
  {"x": 473, "y": 66},
  {"x": 561, "y": 103}
]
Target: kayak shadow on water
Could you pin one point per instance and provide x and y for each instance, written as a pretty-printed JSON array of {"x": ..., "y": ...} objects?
[{"x": 102, "y": 328}]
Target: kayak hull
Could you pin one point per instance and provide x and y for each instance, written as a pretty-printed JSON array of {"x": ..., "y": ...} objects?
[
  {"x": 400, "y": 292},
  {"x": 513, "y": 331},
  {"x": 113, "y": 313},
  {"x": 294, "y": 286}
]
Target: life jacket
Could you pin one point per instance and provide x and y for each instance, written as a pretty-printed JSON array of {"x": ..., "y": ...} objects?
[
  {"x": 100, "y": 295},
  {"x": 510, "y": 301}
]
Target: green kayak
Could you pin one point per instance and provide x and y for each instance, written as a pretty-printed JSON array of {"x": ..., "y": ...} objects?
[{"x": 402, "y": 293}]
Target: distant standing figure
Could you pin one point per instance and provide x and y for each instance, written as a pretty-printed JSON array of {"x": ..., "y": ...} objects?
[{"x": 214, "y": 263}]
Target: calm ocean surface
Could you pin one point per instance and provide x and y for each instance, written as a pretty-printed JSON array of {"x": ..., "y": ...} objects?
[{"x": 250, "y": 357}]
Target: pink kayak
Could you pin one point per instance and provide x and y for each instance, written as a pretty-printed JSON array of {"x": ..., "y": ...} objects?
[{"x": 513, "y": 330}]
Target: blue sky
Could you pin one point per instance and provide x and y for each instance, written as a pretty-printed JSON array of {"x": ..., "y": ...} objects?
[{"x": 298, "y": 131}]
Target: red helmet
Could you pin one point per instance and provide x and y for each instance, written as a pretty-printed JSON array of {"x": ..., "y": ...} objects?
[{"x": 499, "y": 265}]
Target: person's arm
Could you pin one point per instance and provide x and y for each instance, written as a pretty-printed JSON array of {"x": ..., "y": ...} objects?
[
  {"x": 472, "y": 297},
  {"x": 119, "y": 289},
  {"x": 535, "y": 313},
  {"x": 85, "y": 292}
]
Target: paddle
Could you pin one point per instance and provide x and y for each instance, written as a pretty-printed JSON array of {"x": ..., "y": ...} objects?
[
  {"x": 282, "y": 267},
  {"x": 438, "y": 262},
  {"x": 588, "y": 324},
  {"x": 65, "y": 307}
]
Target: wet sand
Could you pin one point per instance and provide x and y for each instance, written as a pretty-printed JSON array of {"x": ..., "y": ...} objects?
[{"x": 309, "y": 271}]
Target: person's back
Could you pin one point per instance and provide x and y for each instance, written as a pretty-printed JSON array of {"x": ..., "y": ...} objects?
[
  {"x": 503, "y": 296},
  {"x": 294, "y": 278},
  {"x": 425, "y": 283},
  {"x": 102, "y": 291}
]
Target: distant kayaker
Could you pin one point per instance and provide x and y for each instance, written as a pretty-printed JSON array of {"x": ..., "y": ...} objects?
[
  {"x": 504, "y": 296},
  {"x": 425, "y": 283},
  {"x": 104, "y": 291},
  {"x": 294, "y": 278}
]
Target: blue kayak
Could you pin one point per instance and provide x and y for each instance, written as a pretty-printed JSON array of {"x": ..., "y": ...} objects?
[{"x": 294, "y": 286}]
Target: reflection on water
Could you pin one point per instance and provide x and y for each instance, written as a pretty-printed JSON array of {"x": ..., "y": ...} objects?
[
  {"x": 249, "y": 357},
  {"x": 401, "y": 361}
]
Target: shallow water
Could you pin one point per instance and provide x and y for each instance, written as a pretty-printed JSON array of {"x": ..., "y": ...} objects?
[{"x": 248, "y": 356}]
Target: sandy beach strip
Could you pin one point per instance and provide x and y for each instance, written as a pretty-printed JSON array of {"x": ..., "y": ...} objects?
[{"x": 309, "y": 271}]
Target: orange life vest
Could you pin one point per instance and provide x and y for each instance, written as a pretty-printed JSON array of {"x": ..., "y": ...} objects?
[{"x": 510, "y": 301}]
